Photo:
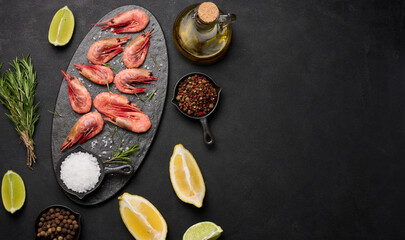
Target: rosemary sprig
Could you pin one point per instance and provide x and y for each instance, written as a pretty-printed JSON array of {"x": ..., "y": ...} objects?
[
  {"x": 108, "y": 85},
  {"x": 138, "y": 97},
  {"x": 122, "y": 58},
  {"x": 115, "y": 130},
  {"x": 154, "y": 60},
  {"x": 121, "y": 156},
  {"x": 55, "y": 113},
  {"x": 150, "y": 95},
  {"x": 17, "y": 93},
  {"x": 108, "y": 65}
]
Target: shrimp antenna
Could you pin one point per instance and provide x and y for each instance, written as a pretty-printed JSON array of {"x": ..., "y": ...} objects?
[{"x": 151, "y": 31}]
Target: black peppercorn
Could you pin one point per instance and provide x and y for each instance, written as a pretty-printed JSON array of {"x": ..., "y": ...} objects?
[{"x": 57, "y": 224}]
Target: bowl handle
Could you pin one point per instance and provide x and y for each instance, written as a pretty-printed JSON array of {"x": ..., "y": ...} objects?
[
  {"x": 125, "y": 169},
  {"x": 208, "y": 138}
]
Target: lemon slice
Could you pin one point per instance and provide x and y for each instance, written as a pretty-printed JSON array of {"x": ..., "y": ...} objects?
[
  {"x": 12, "y": 191},
  {"x": 62, "y": 26},
  {"x": 203, "y": 231},
  {"x": 186, "y": 177},
  {"x": 141, "y": 218}
]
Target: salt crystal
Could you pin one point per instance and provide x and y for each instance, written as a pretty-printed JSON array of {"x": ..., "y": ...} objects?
[{"x": 80, "y": 171}]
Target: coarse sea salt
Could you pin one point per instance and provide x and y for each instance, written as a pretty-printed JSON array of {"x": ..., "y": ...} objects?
[{"x": 80, "y": 171}]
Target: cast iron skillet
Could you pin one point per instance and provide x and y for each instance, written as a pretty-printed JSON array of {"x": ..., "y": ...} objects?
[
  {"x": 77, "y": 217},
  {"x": 208, "y": 138},
  {"x": 125, "y": 169}
]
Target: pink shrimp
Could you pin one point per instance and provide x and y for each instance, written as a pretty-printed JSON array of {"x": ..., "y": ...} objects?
[
  {"x": 96, "y": 73},
  {"x": 88, "y": 126},
  {"x": 122, "y": 112},
  {"x": 79, "y": 97},
  {"x": 134, "y": 21},
  {"x": 104, "y": 50},
  {"x": 135, "y": 52},
  {"x": 126, "y": 79},
  {"x": 114, "y": 104}
]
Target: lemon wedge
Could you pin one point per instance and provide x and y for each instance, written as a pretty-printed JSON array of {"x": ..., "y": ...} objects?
[
  {"x": 186, "y": 177},
  {"x": 141, "y": 218}
]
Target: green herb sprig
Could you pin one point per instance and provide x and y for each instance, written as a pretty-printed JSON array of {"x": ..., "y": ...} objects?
[
  {"x": 154, "y": 60},
  {"x": 108, "y": 65},
  {"x": 17, "y": 93},
  {"x": 108, "y": 85},
  {"x": 121, "y": 156},
  {"x": 149, "y": 97},
  {"x": 55, "y": 113},
  {"x": 138, "y": 97}
]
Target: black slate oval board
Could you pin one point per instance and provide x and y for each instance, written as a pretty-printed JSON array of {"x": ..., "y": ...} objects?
[{"x": 102, "y": 144}]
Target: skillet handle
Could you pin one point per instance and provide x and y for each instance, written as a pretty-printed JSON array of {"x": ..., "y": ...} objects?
[
  {"x": 125, "y": 169},
  {"x": 208, "y": 138}
]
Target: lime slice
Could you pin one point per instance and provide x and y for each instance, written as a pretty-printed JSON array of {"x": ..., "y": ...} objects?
[
  {"x": 203, "y": 231},
  {"x": 62, "y": 26},
  {"x": 12, "y": 191}
]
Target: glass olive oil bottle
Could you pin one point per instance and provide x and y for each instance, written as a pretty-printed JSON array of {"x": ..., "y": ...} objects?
[{"x": 202, "y": 32}]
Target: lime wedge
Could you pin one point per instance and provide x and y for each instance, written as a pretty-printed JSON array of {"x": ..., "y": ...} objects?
[
  {"x": 12, "y": 191},
  {"x": 203, "y": 231},
  {"x": 62, "y": 26}
]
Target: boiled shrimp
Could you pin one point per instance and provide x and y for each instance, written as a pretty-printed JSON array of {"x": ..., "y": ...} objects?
[
  {"x": 88, "y": 126},
  {"x": 104, "y": 50},
  {"x": 114, "y": 104},
  {"x": 134, "y": 21},
  {"x": 96, "y": 73},
  {"x": 126, "y": 79},
  {"x": 79, "y": 97},
  {"x": 122, "y": 112},
  {"x": 135, "y": 52}
]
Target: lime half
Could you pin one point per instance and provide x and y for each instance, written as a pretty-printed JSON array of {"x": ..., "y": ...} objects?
[
  {"x": 203, "y": 231},
  {"x": 62, "y": 26},
  {"x": 12, "y": 191}
]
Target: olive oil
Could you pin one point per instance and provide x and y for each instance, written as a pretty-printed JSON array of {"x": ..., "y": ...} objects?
[{"x": 201, "y": 41}]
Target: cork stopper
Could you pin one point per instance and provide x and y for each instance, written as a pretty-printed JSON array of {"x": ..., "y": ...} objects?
[{"x": 208, "y": 12}]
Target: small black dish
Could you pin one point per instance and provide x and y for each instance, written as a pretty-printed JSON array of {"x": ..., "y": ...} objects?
[
  {"x": 77, "y": 218},
  {"x": 208, "y": 138},
  {"x": 125, "y": 169}
]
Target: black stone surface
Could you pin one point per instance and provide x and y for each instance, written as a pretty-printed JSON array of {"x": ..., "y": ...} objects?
[
  {"x": 103, "y": 144},
  {"x": 309, "y": 132}
]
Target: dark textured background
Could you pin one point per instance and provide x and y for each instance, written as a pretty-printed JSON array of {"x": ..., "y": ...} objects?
[{"x": 309, "y": 131}]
